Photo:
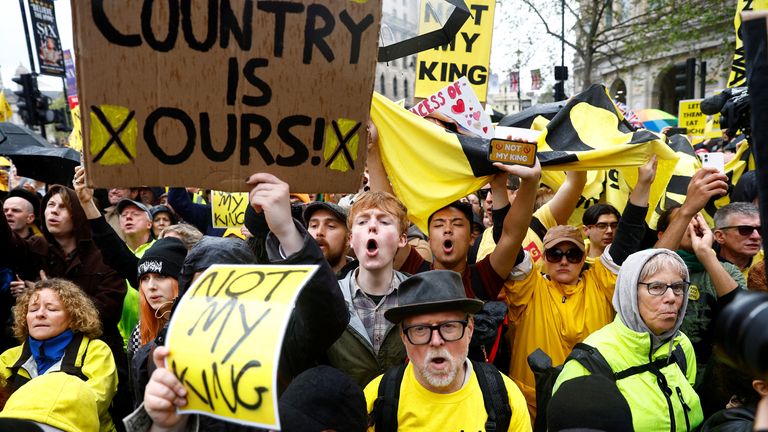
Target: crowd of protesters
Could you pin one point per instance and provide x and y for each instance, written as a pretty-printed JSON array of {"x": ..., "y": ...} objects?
[{"x": 399, "y": 329}]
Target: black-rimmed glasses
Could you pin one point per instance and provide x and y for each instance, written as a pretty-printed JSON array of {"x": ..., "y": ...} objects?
[
  {"x": 449, "y": 331},
  {"x": 659, "y": 288}
]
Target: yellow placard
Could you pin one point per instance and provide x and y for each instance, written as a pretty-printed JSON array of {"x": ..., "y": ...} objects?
[
  {"x": 5, "y": 109},
  {"x": 468, "y": 54},
  {"x": 691, "y": 117},
  {"x": 228, "y": 209},
  {"x": 225, "y": 339}
]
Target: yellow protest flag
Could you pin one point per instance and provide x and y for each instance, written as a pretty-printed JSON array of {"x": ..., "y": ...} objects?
[
  {"x": 738, "y": 73},
  {"x": 225, "y": 339},
  {"x": 228, "y": 209},
  {"x": 5, "y": 109},
  {"x": 429, "y": 167}
]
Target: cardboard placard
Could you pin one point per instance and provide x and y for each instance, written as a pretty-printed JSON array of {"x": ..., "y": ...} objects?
[
  {"x": 691, "y": 117},
  {"x": 512, "y": 152},
  {"x": 468, "y": 54},
  {"x": 458, "y": 102},
  {"x": 225, "y": 339},
  {"x": 207, "y": 93},
  {"x": 228, "y": 209}
]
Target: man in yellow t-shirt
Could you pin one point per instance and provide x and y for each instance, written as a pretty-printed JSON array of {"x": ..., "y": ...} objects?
[{"x": 439, "y": 389}]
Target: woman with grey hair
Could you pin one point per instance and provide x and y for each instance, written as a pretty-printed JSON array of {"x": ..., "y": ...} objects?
[{"x": 652, "y": 362}]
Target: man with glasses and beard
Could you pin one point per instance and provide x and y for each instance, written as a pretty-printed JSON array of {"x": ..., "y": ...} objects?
[
  {"x": 556, "y": 310},
  {"x": 440, "y": 389}
]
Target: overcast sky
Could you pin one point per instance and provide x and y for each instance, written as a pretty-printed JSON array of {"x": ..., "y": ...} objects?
[{"x": 503, "y": 58}]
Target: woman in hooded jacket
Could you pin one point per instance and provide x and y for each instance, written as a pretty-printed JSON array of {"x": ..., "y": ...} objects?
[{"x": 653, "y": 363}]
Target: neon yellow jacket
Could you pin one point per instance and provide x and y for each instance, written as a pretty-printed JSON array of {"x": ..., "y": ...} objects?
[
  {"x": 96, "y": 362},
  {"x": 624, "y": 348}
]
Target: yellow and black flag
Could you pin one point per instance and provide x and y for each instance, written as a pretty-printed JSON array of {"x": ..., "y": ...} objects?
[{"x": 430, "y": 167}]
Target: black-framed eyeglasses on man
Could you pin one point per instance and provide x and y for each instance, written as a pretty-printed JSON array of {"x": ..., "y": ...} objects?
[
  {"x": 744, "y": 230},
  {"x": 449, "y": 331}
]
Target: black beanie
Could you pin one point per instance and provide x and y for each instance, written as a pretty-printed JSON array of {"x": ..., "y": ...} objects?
[
  {"x": 165, "y": 256},
  {"x": 591, "y": 402}
]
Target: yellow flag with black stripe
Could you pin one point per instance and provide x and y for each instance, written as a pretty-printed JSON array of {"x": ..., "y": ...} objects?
[
  {"x": 429, "y": 167},
  {"x": 5, "y": 109}
]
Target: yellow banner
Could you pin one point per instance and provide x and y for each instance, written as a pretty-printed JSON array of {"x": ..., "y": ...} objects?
[
  {"x": 225, "y": 339},
  {"x": 228, "y": 209},
  {"x": 738, "y": 74},
  {"x": 468, "y": 54}
]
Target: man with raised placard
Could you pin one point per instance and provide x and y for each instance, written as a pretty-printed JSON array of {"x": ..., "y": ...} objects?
[{"x": 319, "y": 317}]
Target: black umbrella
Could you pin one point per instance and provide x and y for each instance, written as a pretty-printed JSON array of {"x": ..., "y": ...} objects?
[
  {"x": 36, "y": 158},
  {"x": 14, "y": 137},
  {"x": 47, "y": 164},
  {"x": 433, "y": 39},
  {"x": 524, "y": 118}
]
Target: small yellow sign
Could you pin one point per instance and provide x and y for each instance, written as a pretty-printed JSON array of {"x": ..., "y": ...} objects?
[
  {"x": 228, "y": 209},
  {"x": 341, "y": 141},
  {"x": 225, "y": 340},
  {"x": 691, "y": 117}
]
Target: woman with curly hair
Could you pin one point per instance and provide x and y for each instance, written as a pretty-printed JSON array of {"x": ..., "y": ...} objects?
[{"x": 57, "y": 325}]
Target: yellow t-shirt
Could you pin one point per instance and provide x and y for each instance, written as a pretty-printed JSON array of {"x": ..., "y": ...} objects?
[
  {"x": 554, "y": 317},
  {"x": 532, "y": 243},
  {"x": 419, "y": 409}
]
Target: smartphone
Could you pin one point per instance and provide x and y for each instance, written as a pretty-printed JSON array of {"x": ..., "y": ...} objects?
[
  {"x": 512, "y": 152},
  {"x": 676, "y": 131},
  {"x": 713, "y": 160}
]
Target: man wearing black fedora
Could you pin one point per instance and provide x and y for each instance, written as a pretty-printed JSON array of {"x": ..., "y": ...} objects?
[{"x": 440, "y": 389}]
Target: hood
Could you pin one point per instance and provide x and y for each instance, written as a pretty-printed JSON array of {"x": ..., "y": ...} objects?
[
  {"x": 213, "y": 250},
  {"x": 80, "y": 225},
  {"x": 625, "y": 295}
]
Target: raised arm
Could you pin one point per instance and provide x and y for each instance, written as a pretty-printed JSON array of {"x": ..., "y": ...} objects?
[
  {"x": 705, "y": 184},
  {"x": 701, "y": 240},
  {"x": 115, "y": 252},
  {"x": 566, "y": 198},
  {"x": 631, "y": 230},
  {"x": 378, "y": 180},
  {"x": 516, "y": 222}
]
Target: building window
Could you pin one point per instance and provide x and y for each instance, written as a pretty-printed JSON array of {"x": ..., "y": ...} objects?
[
  {"x": 405, "y": 88},
  {"x": 382, "y": 85},
  {"x": 394, "y": 87}
]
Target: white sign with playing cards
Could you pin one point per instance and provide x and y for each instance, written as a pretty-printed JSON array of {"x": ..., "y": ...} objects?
[{"x": 459, "y": 103}]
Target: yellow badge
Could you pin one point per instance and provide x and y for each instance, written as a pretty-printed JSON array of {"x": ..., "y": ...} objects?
[{"x": 693, "y": 293}]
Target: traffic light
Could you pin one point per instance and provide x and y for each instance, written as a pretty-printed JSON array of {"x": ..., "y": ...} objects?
[
  {"x": 62, "y": 120},
  {"x": 685, "y": 76},
  {"x": 44, "y": 115},
  {"x": 560, "y": 91},
  {"x": 27, "y": 103}
]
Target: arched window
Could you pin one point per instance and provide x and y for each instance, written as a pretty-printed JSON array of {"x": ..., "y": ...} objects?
[
  {"x": 382, "y": 85},
  {"x": 405, "y": 88},
  {"x": 394, "y": 88}
]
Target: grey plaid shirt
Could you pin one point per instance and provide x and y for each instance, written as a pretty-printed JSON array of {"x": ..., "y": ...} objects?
[{"x": 371, "y": 314}]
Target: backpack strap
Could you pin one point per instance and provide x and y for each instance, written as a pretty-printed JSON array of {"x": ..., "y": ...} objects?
[
  {"x": 70, "y": 364},
  {"x": 590, "y": 357},
  {"x": 16, "y": 379},
  {"x": 384, "y": 413},
  {"x": 495, "y": 397},
  {"x": 678, "y": 355}
]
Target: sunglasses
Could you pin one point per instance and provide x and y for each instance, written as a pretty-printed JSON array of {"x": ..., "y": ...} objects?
[
  {"x": 745, "y": 230},
  {"x": 573, "y": 255}
]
